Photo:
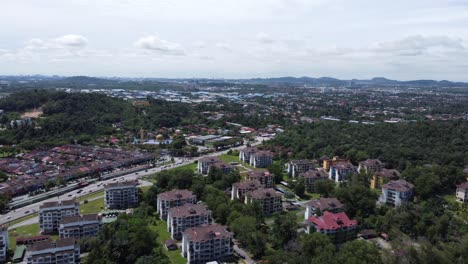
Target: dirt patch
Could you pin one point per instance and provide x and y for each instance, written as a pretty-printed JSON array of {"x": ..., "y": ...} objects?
[{"x": 35, "y": 113}]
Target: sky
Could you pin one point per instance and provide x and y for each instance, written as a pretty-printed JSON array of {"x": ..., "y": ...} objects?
[{"x": 397, "y": 39}]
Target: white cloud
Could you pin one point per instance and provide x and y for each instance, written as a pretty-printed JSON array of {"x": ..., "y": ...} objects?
[
  {"x": 419, "y": 45},
  {"x": 263, "y": 37},
  {"x": 72, "y": 40},
  {"x": 156, "y": 44}
]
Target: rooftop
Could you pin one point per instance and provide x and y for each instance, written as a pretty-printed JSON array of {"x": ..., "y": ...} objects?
[
  {"x": 264, "y": 193},
  {"x": 331, "y": 221},
  {"x": 176, "y": 195},
  {"x": 315, "y": 173},
  {"x": 207, "y": 232},
  {"x": 325, "y": 204},
  {"x": 399, "y": 185},
  {"x": 49, "y": 244},
  {"x": 259, "y": 173},
  {"x": 388, "y": 173},
  {"x": 121, "y": 184},
  {"x": 80, "y": 218},
  {"x": 371, "y": 162},
  {"x": 189, "y": 209},
  {"x": 57, "y": 203},
  {"x": 210, "y": 159},
  {"x": 463, "y": 186},
  {"x": 297, "y": 162},
  {"x": 248, "y": 184}
]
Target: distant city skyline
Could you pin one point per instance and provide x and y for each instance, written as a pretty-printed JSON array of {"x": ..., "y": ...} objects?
[{"x": 358, "y": 39}]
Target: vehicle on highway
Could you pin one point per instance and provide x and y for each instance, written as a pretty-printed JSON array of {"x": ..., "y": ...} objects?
[
  {"x": 8, "y": 217},
  {"x": 27, "y": 212},
  {"x": 69, "y": 195}
]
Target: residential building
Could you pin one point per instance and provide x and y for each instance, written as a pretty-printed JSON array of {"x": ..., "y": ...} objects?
[
  {"x": 3, "y": 243},
  {"x": 268, "y": 199},
  {"x": 205, "y": 163},
  {"x": 311, "y": 176},
  {"x": 121, "y": 195},
  {"x": 383, "y": 176},
  {"x": 186, "y": 216},
  {"x": 462, "y": 192},
  {"x": 296, "y": 167},
  {"x": 395, "y": 193},
  {"x": 244, "y": 154},
  {"x": 370, "y": 166},
  {"x": 206, "y": 243},
  {"x": 51, "y": 213},
  {"x": 337, "y": 226},
  {"x": 80, "y": 226},
  {"x": 265, "y": 178},
  {"x": 327, "y": 163},
  {"x": 222, "y": 166},
  {"x": 240, "y": 189},
  {"x": 62, "y": 251},
  {"x": 261, "y": 159},
  {"x": 317, "y": 207},
  {"x": 340, "y": 170},
  {"x": 174, "y": 198}
]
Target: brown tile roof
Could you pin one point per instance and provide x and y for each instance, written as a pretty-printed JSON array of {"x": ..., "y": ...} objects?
[
  {"x": 388, "y": 174},
  {"x": 176, "y": 195},
  {"x": 121, "y": 184},
  {"x": 463, "y": 186},
  {"x": 56, "y": 203},
  {"x": 189, "y": 209},
  {"x": 315, "y": 173},
  {"x": 222, "y": 165},
  {"x": 370, "y": 162},
  {"x": 264, "y": 192},
  {"x": 49, "y": 244},
  {"x": 207, "y": 233},
  {"x": 326, "y": 204},
  {"x": 399, "y": 185},
  {"x": 210, "y": 159},
  {"x": 296, "y": 162},
  {"x": 343, "y": 165},
  {"x": 263, "y": 153},
  {"x": 80, "y": 218},
  {"x": 248, "y": 184}
]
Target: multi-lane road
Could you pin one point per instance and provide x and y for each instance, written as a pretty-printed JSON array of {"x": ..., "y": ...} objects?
[{"x": 97, "y": 186}]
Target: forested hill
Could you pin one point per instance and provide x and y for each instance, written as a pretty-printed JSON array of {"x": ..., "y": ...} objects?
[
  {"x": 84, "y": 117},
  {"x": 399, "y": 145}
]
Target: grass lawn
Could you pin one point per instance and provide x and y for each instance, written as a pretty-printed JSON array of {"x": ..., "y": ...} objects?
[
  {"x": 91, "y": 195},
  {"x": 144, "y": 189},
  {"x": 92, "y": 207},
  {"x": 22, "y": 219},
  {"x": 174, "y": 255},
  {"x": 27, "y": 230},
  {"x": 312, "y": 196},
  {"x": 191, "y": 166}
]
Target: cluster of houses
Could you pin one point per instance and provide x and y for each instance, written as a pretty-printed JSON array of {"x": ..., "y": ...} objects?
[
  {"x": 191, "y": 222},
  {"x": 63, "y": 219},
  {"x": 32, "y": 171}
]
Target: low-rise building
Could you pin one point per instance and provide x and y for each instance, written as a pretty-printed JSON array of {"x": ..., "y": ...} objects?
[
  {"x": 266, "y": 178},
  {"x": 337, "y": 226},
  {"x": 240, "y": 189},
  {"x": 62, "y": 251},
  {"x": 268, "y": 199},
  {"x": 462, "y": 192},
  {"x": 383, "y": 176},
  {"x": 311, "y": 176},
  {"x": 3, "y": 243},
  {"x": 205, "y": 163},
  {"x": 340, "y": 171},
  {"x": 174, "y": 198},
  {"x": 206, "y": 243},
  {"x": 327, "y": 163},
  {"x": 395, "y": 193},
  {"x": 261, "y": 159},
  {"x": 80, "y": 226},
  {"x": 224, "y": 167},
  {"x": 296, "y": 167},
  {"x": 51, "y": 213},
  {"x": 244, "y": 154},
  {"x": 370, "y": 166},
  {"x": 186, "y": 216},
  {"x": 321, "y": 205},
  {"x": 121, "y": 195}
]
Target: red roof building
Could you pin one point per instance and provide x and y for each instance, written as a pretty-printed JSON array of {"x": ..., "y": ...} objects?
[{"x": 337, "y": 226}]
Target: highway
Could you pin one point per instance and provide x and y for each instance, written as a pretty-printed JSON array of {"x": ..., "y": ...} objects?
[{"x": 95, "y": 187}]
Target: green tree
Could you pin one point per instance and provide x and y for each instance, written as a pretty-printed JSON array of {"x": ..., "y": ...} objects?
[{"x": 358, "y": 252}]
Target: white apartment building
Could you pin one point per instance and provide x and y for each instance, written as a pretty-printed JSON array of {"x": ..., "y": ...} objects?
[
  {"x": 340, "y": 171},
  {"x": 121, "y": 195},
  {"x": 51, "y": 213},
  {"x": 462, "y": 192},
  {"x": 206, "y": 243},
  {"x": 186, "y": 216},
  {"x": 395, "y": 193},
  {"x": 3, "y": 243},
  {"x": 63, "y": 251},
  {"x": 261, "y": 159},
  {"x": 268, "y": 199},
  {"x": 266, "y": 178},
  {"x": 244, "y": 154},
  {"x": 205, "y": 163},
  {"x": 240, "y": 189},
  {"x": 80, "y": 226},
  {"x": 370, "y": 166},
  {"x": 296, "y": 167},
  {"x": 174, "y": 198},
  {"x": 311, "y": 176}
]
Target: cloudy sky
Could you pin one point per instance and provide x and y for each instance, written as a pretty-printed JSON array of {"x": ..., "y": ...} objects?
[{"x": 400, "y": 39}]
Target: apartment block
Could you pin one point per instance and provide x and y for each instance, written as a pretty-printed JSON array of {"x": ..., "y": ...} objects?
[
  {"x": 337, "y": 226},
  {"x": 240, "y": 189},
  {"x": 174, "y": 198},
  {"x": 63, "y": 251},
  {"x": 340, "y": 171},
  {"x": 296, "y": 167},
  {"x": 3, "y": 243},
  {"x": 311, "y": 176},
  {"x": 395, "y": 193},
  {"x": 222, "y": 166},
  {"x": 327, "y": 163},
  {"x": 268, "y": 199},
  {"x": 206, "y": 243},
  {"x": 186, "y": 216},
  {"x": 261, "y": 159},
  {"x": 205, "y": 163},
  {"x": 321, "y": 205},
  {"x": 51, "y": 213},
  {"x": 244, "y": 154},
  {"x": 370, "y": 166},
  {"x": 266, "y": 179},
  {"x": 383, "y": 176},
  {"x": 121, "y": 195},
  {"x": 80, "y": 226},
  {"x": 462, "y": 192}
]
